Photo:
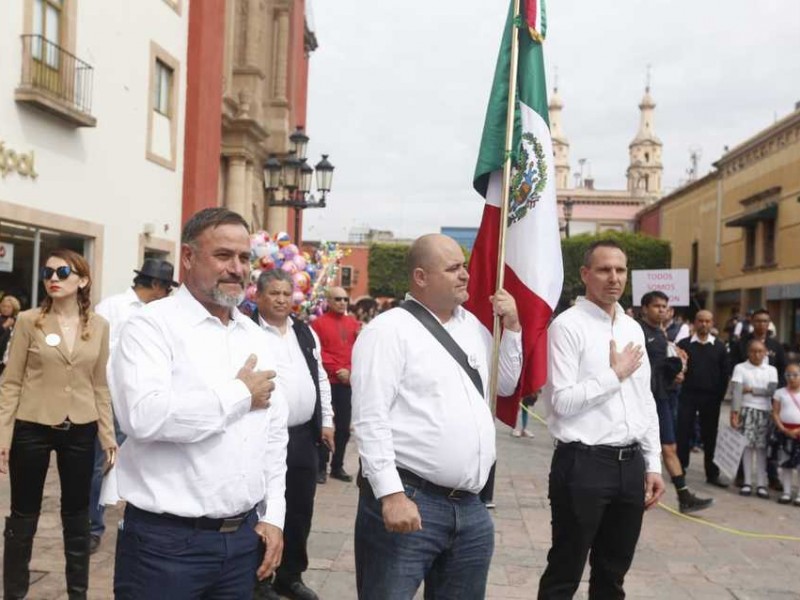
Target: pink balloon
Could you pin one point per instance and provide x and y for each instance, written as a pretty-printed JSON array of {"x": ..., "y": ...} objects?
[
  {"x": 298, "y": 297},
  {"x": 300, "y": 262},
  {"x": 289, "y": 267},
  {"x": 302, "y": 281},
  {"x": 290, "y": 250}
]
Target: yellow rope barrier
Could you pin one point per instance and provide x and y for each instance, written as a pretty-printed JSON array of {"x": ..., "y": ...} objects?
[
  {"x": 733, "y": 530},
  {"x": 698, "y": 520}
]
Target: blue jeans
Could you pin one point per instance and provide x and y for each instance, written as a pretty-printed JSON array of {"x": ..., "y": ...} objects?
[
  {"x": 96, "y": 510},
  {"x": 158, "y": 560},
  {"x": 451, "y": 553}
]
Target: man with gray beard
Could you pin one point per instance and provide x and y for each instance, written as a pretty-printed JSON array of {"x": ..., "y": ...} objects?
[{"x": 203, "y": 469}]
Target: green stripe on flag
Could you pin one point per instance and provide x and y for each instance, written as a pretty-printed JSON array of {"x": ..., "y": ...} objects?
[{"x": 531, "y": 89}]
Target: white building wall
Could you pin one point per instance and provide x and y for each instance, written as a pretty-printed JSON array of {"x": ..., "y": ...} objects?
[{"x": 100, "y": 174}]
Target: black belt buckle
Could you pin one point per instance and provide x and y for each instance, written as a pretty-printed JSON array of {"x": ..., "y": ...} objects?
[
  {"x": 231, "y": 525},
  {"x": 66, "y": 425},
  {"x": 625, "y": 454},
  {"x": 456, "y": 494}
]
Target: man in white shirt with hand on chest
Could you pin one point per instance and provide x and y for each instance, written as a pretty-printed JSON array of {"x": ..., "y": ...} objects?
[
  {"x": 203, "y": 469},
  {"x": 426, "y": 434},
  {"x": 606, "y": 467}
]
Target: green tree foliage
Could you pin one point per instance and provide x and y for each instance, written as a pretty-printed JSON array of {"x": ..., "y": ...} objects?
[
  {"x": 387, "y": 270},
  {"x": 643, "y": 252}
]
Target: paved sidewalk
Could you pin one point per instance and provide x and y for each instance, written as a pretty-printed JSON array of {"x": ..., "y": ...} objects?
[{"x": 676, "y": 558}]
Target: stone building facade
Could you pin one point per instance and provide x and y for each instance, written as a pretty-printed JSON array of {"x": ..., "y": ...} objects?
[
  {"x": 265, "y": 85},
  {"x": 737, "y": 228},
  {"x": 593, "y": 210}
]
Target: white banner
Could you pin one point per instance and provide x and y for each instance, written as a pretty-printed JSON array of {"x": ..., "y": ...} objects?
[
  {"x": 730, "y": 446},
  {"x": 6, "y": 257},
  {"x": 673, "y": 282}
]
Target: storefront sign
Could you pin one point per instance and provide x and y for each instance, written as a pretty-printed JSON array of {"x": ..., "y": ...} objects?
[
  {"x": 6, "y": 257},
  {"x": 12, "y": 161},
  {"x": 673, "y": 282}
]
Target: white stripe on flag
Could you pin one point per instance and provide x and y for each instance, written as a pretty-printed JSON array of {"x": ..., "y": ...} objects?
[{"x": 533, "y": 244}]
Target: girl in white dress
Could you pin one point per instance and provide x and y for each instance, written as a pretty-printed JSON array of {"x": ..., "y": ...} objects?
[
  {"x": 786, "y": 414},
  {"x": 754, "y": 382}
]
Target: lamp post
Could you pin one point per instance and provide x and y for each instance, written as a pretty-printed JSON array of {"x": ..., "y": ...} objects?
[
  {"x": 568, "y": 204},
  {"x": 287, "y": 181}
]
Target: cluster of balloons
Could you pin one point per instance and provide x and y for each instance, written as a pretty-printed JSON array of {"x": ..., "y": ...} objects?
[{"x": 311, "y": 273}]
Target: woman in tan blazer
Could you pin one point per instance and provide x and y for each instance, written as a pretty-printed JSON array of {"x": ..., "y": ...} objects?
[{"x": 54, "y": 397}]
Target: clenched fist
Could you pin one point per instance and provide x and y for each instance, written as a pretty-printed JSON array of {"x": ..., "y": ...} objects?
[{"x": 260, "y": 383}]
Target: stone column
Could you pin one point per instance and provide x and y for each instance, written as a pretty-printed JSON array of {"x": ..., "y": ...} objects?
[
  {"x": 280, "y": 70},
  {"x": 253, "y": 27},
  {"x": 236, "y": 190}
]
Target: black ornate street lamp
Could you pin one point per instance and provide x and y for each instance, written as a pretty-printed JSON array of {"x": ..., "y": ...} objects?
[
  {"x": 288, "y": 182},
  {"x": 568, "y": 204}
]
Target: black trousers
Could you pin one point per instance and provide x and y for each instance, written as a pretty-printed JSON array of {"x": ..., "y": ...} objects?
[
  {"x": 707, "y": 406},
  {"x": 597, "y": 503},
  {"x": 30, "y": 458},
  {"x": 342, "y": 414},
  {"x": 301, "y": 485}
]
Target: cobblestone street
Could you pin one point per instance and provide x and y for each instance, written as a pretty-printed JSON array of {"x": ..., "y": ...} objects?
[{"x": 676, "y": 558}]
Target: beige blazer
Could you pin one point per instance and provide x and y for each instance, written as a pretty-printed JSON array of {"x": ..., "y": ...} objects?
[{"x": 46, "y": 383}]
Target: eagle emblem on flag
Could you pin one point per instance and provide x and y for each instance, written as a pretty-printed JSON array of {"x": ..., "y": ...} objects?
[{"x": 528, "y": 178}]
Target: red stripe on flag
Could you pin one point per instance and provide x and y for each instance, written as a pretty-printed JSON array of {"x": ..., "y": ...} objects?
[
  {"x": 530, "y": 13},
  {"x": 534, "y": 313}
]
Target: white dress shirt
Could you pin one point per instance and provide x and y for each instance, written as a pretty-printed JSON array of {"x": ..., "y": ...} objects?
[
  {"x": 683, "y": 333},
  {"x": 585, "y": 400},
  {"x": 789, "y": 403},
  {"x": 117, "y": 310},
  {"x": 414, "y": 406},
  {"x": 758, "y": 378},
  {"x": 194, "y": 447},
  {"x": 710, "y": 339},
  {"x": 298, "y": 388}
]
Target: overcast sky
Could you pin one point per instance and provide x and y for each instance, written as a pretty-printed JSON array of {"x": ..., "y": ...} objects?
[{"x": 398, "y": 92}]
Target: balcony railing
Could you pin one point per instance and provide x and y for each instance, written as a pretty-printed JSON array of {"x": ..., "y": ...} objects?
[{"x": 56, "y": 80}]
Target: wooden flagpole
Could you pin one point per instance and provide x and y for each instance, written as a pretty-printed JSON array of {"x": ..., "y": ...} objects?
[{"x": 501, "y": 246}]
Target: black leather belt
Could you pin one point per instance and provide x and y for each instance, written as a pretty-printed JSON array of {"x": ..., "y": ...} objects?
[
  {"x": 416, "y": 481},
  {"x": 301, "y": 427},
  {"x": 620, "y": 453},
  {"x": 226, "y": 525}
]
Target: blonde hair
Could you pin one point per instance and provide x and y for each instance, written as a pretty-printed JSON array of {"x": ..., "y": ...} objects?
[
  {"x": 15, "y": 305},
  {"x": 81, "y": 268}
]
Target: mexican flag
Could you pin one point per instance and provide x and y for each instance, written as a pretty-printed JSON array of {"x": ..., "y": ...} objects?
[{"x": 534, "y": 272}]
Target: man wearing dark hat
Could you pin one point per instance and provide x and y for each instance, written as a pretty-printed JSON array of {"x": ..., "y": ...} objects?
[{"x": 152, "y": 282}]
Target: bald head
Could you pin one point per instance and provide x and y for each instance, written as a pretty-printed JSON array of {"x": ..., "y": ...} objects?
[
  {"x": 703, "y": 322},
  {"x": 337, "y": 300},
  {"x": 437, "y": 273},
  {"x": 426, "y": 249}
]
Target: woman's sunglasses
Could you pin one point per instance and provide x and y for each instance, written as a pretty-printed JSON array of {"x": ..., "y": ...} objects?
[{"x": 61, "y": 272}]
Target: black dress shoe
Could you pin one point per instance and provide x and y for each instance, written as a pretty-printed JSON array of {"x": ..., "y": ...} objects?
[
  {"x": 720, "y": 483},
  {"x": 265, "y": 591},
  {"x": 341, "y": 475},
  {"x": 296, "y": 590},
  {"x": 322, "y": 477}
]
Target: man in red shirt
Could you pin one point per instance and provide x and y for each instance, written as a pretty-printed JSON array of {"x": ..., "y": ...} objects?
[{"x": 337, "y": 333}]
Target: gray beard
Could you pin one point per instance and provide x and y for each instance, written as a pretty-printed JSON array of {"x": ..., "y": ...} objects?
[{"x": 225, "y": 300}]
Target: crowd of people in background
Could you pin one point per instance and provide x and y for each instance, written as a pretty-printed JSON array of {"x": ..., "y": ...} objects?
[
  {"x": 168, "y": 372},
  {"x": 743, "y": 362}
]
